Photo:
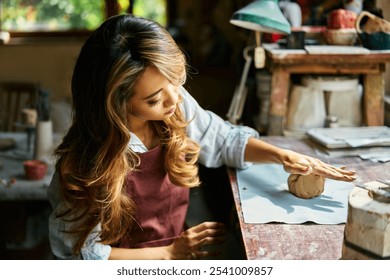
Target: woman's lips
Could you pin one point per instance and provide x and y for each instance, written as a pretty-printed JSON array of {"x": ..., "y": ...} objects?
[{"x": 171, "y": 111}]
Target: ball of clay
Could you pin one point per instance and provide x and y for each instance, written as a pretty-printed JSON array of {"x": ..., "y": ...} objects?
[{"x": 306, "y": 186}]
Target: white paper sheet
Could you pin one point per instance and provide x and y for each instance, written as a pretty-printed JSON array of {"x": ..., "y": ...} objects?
[{"x": 265, "y": 198}]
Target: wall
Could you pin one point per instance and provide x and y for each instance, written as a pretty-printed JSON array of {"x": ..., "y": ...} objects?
[
  {"x": 385, "y": 6},
  {"x": 49, "y": 63}
]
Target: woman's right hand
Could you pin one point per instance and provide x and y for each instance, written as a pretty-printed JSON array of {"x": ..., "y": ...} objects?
[{"x": 189, "y": 244}]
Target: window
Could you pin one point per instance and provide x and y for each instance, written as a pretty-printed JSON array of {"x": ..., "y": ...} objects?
[
  {"x": 153, "y": 9},
  {"x": 49, "y": 16}
]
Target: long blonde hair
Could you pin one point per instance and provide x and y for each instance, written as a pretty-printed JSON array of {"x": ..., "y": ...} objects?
[{"x": 94, "y": 158}]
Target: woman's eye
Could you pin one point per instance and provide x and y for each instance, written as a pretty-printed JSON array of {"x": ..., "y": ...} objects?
[{"x": 154, "y": 102}]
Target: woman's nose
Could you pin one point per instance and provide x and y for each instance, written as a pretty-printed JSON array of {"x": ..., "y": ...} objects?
[{"x": 171, "y": 97}]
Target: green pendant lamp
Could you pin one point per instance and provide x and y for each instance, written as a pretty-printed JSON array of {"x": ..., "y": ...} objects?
[
  {"x": 263, "y": 16},
  {"x": 259, "y": 16}
]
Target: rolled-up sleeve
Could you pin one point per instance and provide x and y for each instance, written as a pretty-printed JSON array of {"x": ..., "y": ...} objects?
[
  {"x": 61, "y": 242},
  {"x": 93, "y": 249},
  {"x": 221, "y": 142}
]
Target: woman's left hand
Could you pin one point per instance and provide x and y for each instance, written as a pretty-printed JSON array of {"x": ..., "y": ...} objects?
[
  {"x": 189, "y": 244},
  {"x": 296, "y": 163}
]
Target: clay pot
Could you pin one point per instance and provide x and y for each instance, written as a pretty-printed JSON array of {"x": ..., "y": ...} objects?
[
  {"x": 373, "y": 23},
  {"x": 341, "y": 18},
  {"x": 35, "y": 169},
  {"x": 375, "y": 33}
]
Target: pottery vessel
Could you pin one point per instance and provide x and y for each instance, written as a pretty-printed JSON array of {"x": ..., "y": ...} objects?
[{"x": 35, "y": 169}]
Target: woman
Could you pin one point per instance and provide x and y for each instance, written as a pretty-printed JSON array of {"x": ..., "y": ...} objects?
[{"x": 120, "y": 190}]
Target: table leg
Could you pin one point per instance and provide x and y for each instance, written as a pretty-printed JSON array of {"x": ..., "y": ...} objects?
[
  {"x": 373, "y": 105},
  {"x": 278, "y": 101}
]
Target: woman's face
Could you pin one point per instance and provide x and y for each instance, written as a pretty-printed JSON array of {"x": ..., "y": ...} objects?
[{"x": 155, "y": 98}]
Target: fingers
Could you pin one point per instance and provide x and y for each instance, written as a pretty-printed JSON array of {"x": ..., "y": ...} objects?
[
  {"x": 346, "y": 172},
  {"x": 193, "y": 256},
  {"x": 210, "y": 240},
  {"x": 204, "y": 230},
  {"x": 328, "y": 171},
  {"x": 334, "y": 173},
  {"x": 202, "y": 235},
  {"x": 201, "y": 250},
  {"x": 208, "y": 225},
  {"x": 205, "y": 254},
  {"x": 305, "y": 165}
]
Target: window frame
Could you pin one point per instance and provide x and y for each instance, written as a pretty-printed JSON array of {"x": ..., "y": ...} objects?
[{"x": 111, "y": 8}]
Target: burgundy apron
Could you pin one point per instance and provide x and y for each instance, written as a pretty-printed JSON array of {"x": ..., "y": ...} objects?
[{"x": 161, "y": 207}]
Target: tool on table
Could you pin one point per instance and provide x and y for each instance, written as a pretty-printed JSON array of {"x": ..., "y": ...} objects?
[{"x": 379, "y": 191}]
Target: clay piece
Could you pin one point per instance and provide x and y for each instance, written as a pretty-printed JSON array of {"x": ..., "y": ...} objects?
[{"x": 306, "y": 186}]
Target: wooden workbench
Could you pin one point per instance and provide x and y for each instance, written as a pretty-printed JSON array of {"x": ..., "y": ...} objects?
[
  {"x": 282, "y": 64},
  {"x": 300, "y": 241}
]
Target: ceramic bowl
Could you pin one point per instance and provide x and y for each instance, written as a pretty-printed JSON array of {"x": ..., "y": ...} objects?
[
  {"x": 35, "y": 169},
  {"x": 341, "y": 37},
  {"x": 375, "y": 41}
]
